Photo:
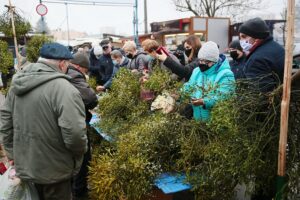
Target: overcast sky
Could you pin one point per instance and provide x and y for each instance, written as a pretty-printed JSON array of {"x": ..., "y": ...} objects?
[{"x": 91, "y": 18}]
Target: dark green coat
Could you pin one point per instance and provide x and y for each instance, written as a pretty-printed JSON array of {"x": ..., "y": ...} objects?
[{"x": 43, "y": 125}]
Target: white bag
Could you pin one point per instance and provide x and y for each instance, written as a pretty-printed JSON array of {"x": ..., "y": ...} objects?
[
  {"x": 164, "y": 102},
  {"x": 12, "y": 188},
  {"x": 1, "y": 83}
]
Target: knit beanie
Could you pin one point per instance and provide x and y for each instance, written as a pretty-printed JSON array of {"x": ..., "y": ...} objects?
[
  {"x": 255, "y": 28},
  {"x": 235, "y": 44},
  {"x": 209, "y": 51},
  {"x": 81, "y": 59}
]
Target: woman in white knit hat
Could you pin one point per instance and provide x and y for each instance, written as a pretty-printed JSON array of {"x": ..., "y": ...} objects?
[{"x": 209, "y": 83}]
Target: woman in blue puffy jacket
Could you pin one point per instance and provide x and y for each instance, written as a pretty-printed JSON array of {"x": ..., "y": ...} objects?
[{"x": 209, "y": 83}]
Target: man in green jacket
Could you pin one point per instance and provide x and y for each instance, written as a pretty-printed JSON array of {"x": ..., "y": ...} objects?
[{"x": 42, "y": 126}]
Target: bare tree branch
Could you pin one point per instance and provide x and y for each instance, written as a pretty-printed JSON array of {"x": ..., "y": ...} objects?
[
  {"x": 189, "y": 7},
  {"x": 212, "y": 8}
]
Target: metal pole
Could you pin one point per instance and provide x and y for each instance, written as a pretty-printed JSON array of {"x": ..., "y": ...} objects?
[
  {"x": 136, "y": 23},
  {"x": 42, "y": 18},
  {"x": 68, "y": 30},
  {"x": 146, "y": 16},
  {"x": 133, "y": 21}
]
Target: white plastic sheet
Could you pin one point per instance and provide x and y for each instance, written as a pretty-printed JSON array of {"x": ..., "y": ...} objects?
[{"x": 1, "y": 83}]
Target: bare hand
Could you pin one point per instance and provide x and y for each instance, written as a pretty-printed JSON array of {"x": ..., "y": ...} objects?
[
  {"x": 11, "y": 162},
  {"x": 197, "y": 102},
  {"x": 100, "y": 88},
  {"x": 162, "y": 56}
]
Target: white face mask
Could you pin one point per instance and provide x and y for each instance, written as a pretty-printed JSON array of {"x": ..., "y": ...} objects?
[{"x": 245, "y": 44}]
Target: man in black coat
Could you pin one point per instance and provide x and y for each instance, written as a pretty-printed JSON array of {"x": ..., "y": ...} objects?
[
  {"x": 264, "y": 67},
  {"x": 77, "y": 70},
  {"x": 106, "y": 65},
  {"x": 94, "y": 69},
  {"x": 119, "y": 61}
]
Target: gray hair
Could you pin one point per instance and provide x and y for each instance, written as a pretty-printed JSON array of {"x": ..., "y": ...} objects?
[
  {"x": 52, "y": 61},
  {"x": 116, "y": 54},
  {"x": 129, "y": 45}
]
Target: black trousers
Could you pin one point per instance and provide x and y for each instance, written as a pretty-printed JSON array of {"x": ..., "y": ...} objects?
[
  {"x": 56, "y": 191},
  {"x": 79, "y": 182}
]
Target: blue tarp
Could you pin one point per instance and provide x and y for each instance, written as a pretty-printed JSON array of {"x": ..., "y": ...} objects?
[
  {"x": 167, "y": 182},
  {"x": 94, "y": 123},
  {"x": 171, "y": 183}
]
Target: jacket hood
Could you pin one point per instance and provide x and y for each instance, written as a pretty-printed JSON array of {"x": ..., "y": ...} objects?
[
  {"x": 223, "y": 63},
  {"x": 34, "y": 75},
  {"x": 125, "y": 62}
]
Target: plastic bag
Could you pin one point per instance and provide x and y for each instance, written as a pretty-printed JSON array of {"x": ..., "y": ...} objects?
[
  {"x": 1, "y": 83},
  {"x": 12, "y": 188},
  {"x": 164, "y": 102}
]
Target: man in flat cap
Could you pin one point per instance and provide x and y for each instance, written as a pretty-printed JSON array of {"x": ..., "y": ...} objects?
[
  {"x": 106, "y": 65},
  {"x": 264, "y": 66},
  {"x": 77, "y": 70},
  {"x": 42, "y": 126}
]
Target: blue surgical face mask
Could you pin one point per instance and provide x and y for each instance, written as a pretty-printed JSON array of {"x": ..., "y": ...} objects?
[
  {"x": 115, "y": 62},
  {"x": 245, "y": 44}
]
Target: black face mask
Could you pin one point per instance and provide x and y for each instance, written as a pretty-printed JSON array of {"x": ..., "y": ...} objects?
[
  {"x": 188, "y": 52},
  {"x": 234, "y": 55},
  {"x": 130, "y": 56},
  {"x": 203, "y": 67}
]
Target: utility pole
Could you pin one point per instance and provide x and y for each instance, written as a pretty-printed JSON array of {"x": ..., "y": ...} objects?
[
  {"x": 11, "y": 10},
  {"x": 146, "y": 16},
  {"x": 42, "y": 18}
]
